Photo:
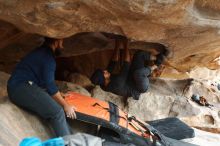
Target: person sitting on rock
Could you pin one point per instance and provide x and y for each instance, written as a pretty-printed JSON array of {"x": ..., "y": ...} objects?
[
  {"x": 32, "y": 86},
  {"x": 133, "y": 77}
]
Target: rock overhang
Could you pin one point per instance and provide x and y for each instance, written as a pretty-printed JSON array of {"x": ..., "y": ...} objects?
[{"x": 189, "y": 28}]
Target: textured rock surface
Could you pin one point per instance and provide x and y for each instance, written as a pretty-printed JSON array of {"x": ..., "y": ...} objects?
[
  {"x": 16, "y": 123},
  {"x": 3, "y": 84},
  {"x": 174, "y": 99},
  {"x": 77, "y": 79},
  {"x": 189, "y": 28},
  {"x": 203, "y": 138},
  {"x": 151, "y": 106},
  {"x": 66, "y": 86},
  {"x": 171, "y": 98},
  {"x": 97, "y": 92}
]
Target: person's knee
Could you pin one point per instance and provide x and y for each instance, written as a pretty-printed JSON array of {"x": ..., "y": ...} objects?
[
  {"x": 143, "y": 86},
  {"x": 141, "y": 73},
  {"x": 54, "y": 112},
  {"x": 141, "y": 53},
  {"x": 141, "y": 80},
  {"x": 58, "y": 114}
]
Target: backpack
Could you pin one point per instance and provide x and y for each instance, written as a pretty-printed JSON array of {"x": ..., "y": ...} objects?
[{"x": 106, "y": 114}]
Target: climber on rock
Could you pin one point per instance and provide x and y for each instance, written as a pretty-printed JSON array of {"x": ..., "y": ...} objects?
[
  {"x": 32, "y": 86},
  {"x": 132, "y": 80}
]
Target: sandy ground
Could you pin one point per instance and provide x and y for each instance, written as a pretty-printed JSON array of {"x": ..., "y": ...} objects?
[{"x": 203, "y": 138}]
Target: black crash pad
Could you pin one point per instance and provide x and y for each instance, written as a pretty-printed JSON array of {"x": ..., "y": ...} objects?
[{"x": 173, "y": 128}]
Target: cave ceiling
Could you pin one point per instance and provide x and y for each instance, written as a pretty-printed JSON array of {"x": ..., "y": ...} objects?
[{"x": 189, "y": 28}]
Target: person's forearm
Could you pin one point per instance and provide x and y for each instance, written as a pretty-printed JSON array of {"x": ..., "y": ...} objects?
[
  {"x": 152, "y": 57},
  {"x": 59, "y": 99},
  {"x": 69, "y": 109},
  {"x": 152, "y": 68},
  {"x": 127, "y": 56},
  {"x": 115, "y": 56}
]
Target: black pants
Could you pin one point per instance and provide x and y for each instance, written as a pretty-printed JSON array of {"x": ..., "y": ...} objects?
[
  {"x": 139, "y": 73},
  {"x": 35, "y": 99}
]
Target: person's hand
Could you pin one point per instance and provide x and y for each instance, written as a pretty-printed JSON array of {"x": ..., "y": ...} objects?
[
  {"x": 70, "y": 111},
  {"x": 158, "y": 71},
  {"x": 153, "y": 67},
  {"x": 65, "y": 94}
]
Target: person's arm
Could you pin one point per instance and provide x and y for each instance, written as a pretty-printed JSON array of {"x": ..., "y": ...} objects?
[
  {"x": 115, "y": 57},
  {"x": 127, "y": 59},
  {"x": 127, "y": 56},
  {"x": 49, "y": 82},
  {"x": 152, "y": 57},
  {"x": 69, "y": 110},
  {"x": 48, "y": 73},
  {"x": 152, "y": 68}
]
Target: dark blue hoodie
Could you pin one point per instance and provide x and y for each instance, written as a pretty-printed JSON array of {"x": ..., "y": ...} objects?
[{"x": 39, "y": 67}]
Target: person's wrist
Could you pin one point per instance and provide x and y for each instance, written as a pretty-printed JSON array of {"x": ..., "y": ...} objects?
[
  {"x": 153, "y": 67},
  {"x": 65, "y": 105},
  {"x": 152, "y": 57}
]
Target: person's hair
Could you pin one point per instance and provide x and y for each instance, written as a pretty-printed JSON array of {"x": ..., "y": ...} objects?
[
  {"x": 49, "y": 41},
  {"x": 98, "y": 77}
]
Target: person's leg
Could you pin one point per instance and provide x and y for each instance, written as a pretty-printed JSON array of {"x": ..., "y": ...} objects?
[
  {"x": 138, "y": 72},
  {"x": 140, "y": 78},
  {"x": 139, "y": 59},
  {"x": 35, "y": 99}
]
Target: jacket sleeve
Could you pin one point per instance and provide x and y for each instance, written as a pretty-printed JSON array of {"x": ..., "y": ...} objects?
[
  {"x": 49, "y": 77},
  {"x": 111, "y": 66}
]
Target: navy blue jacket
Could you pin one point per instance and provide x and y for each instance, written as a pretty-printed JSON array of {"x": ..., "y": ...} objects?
[{"x": 39, "y": 67}]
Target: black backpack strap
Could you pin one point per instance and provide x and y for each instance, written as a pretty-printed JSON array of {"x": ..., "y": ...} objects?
[
  {"x": 114, "y": 113},
  {"x": 95, "y": 104},
  {"x": 113, "y": 110},
  {"x": 151, "y": 130}
]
